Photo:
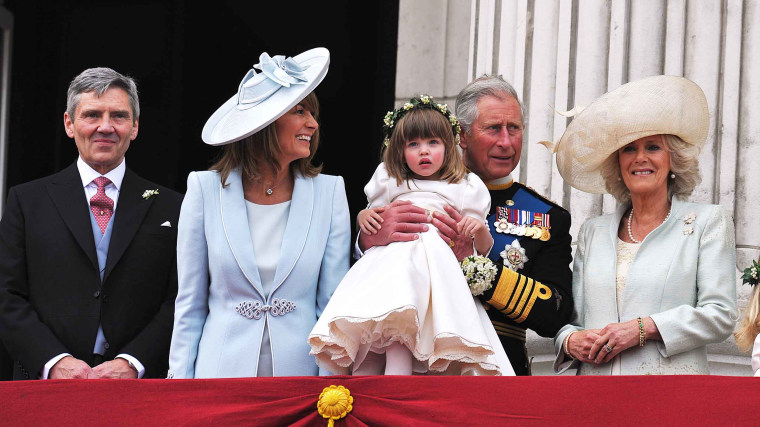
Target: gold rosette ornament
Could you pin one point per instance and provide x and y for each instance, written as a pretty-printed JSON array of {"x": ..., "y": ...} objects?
[{"x": 335, "y": 402}]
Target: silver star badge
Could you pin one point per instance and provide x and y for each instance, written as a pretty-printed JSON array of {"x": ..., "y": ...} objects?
[{"x": 514, "y": 256}]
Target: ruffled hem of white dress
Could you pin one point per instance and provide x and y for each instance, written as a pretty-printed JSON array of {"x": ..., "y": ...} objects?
[{"x": 450, "y": 355}]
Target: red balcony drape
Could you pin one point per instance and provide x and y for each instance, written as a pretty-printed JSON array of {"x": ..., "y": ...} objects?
[{"x": 588, "y": 401}]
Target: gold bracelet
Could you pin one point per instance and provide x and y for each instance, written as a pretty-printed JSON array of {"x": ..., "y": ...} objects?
[
  {"x": 642, "y": 336},
  {"x": 567, "y": 340}
]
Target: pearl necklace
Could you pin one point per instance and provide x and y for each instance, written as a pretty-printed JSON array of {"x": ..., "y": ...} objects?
[{"x": 630, "y": 235}]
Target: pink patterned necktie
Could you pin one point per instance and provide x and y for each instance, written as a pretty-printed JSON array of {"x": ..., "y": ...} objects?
[{"x": 100, "y": 204}]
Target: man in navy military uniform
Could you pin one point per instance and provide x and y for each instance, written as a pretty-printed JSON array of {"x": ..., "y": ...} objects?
[{"x": 532, "y": 289}]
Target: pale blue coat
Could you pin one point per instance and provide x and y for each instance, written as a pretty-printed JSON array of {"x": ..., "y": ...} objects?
[
  {"x": 685, "y": 281},
  {"x": 218, "y": 272}
]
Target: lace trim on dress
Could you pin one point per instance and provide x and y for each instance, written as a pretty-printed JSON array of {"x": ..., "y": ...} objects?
[{"x": 451, "y": 355}]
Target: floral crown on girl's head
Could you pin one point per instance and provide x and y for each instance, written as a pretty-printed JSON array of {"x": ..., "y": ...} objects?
[{"x": 424, "y": 101}]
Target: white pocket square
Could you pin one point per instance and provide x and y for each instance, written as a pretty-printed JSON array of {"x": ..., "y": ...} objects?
[{"x": 166, "y": 224}]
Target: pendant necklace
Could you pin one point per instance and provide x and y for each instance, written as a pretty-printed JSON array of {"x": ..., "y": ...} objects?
[{"x": 271, "y": 189}]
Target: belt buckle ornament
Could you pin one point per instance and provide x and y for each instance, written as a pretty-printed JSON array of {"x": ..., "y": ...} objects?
[
  {"x": 255, "y": 310},
  {"x": 514, "y": 256}
]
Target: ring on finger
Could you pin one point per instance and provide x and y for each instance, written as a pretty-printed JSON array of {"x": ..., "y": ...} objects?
[
  {"x": 607, "y": 348},
  {"x": 451, "y": 243}
]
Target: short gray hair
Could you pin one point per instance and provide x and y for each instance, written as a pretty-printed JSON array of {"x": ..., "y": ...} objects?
[
  {"x": 485, "y": 85},
  {"x": 100, "y": 80},
  {"x": 684, "y": 163}
]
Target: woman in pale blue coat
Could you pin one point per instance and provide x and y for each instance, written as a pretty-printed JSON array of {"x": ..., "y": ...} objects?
[
  {"x": 654, "y": 282},
  {"x": 263, "y": 237}
]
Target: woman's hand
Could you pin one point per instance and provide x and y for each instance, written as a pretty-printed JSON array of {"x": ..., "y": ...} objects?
[
  {"x": 613, "y": 339},
  {"x": 579, "y": 344},
  {"x": 461, "y": 244}
]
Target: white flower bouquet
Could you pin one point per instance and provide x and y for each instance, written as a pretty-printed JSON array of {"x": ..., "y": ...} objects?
[{"x": 479, "y": 272}]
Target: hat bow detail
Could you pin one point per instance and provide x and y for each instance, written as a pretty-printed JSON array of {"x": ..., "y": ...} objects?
[{"x": 276, "y": 72}]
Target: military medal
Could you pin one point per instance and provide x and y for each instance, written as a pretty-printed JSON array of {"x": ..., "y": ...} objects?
[
  {"x": 501, "y": 225},
  {"x": 545, "y": 235},
  {"x": 522, "y": 223},
  {"x": 514, "y": 256},
  {"x": 511, "y": 228}
]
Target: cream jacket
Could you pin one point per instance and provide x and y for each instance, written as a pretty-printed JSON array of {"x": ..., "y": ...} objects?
[{"x": 683, "y": 277}]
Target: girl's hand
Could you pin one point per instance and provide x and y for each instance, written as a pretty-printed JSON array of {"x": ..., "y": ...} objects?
[
  {"x": 370, "y": 220},
  {"x": 478, "y": 233},
  {"x": 470, "y": 226}
]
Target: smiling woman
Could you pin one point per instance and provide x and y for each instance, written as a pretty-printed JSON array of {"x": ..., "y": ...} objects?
[
  {"x": 263, "y": 236},
  {"x": 660, "y": 268}
]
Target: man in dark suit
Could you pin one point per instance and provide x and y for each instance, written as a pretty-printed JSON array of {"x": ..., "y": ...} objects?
[
  {"x": 87, "y": 256},
  {"x": 532, "y": 289}
]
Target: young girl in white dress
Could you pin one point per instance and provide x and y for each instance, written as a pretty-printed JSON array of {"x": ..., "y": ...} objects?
[
  {"x": 406, "y": 307},
  {"x": 748, "y": 335}
]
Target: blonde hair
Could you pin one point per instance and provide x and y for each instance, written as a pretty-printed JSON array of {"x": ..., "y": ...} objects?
[
  {"x": 750, "y": 326},
  {"x": 260, "y": 150},
  {"x": 684, "y": 163},
  {"x": 423, "y": 123}
]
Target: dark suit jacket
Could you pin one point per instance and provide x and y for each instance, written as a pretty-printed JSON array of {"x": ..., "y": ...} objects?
[{"x": 51, "y": 296}]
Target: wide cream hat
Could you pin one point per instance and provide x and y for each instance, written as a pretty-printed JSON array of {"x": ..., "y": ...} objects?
[
  {"x": 265, "y": 96},
  {"x": 655, "y": 105}
]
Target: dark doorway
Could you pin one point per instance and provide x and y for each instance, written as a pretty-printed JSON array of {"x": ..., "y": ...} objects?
[{"x": 188, "y": 58}]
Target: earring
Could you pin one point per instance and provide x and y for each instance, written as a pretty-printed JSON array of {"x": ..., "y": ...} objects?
[
  {"x": 672, "y": 175},
  {"x": 619, "y": 178}
]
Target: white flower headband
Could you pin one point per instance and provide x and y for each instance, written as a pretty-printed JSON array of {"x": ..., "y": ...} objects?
[{"x": 424, "y": 101}]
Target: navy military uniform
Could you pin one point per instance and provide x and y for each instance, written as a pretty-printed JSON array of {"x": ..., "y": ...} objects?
[{"x": 532, "y": 289}]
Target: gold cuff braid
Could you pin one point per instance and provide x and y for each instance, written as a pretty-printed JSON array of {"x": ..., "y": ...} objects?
[{"x": 515, "y": 295}]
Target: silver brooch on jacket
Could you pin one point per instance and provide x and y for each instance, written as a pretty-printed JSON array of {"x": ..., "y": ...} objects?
[
  {"x": 514, "y": 256},
  {"x": 688, "y": 220}
]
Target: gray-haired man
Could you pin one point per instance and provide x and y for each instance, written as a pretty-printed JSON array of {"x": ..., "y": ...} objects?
[
  {"x": 532, "y": 289},
  {"x": 87, "y": 256}
]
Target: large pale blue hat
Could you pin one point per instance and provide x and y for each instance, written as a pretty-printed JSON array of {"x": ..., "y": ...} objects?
[{"x": 264, "y": 96}]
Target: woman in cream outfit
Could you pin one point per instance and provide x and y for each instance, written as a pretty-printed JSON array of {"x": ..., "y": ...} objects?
[
  {"x": 654, "y": 282},
  {"x": 263, "y": 238}
]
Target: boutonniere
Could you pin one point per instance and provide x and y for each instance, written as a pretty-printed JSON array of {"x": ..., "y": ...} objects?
[
  {"x": 149, "y": 193},
  {"x": 750, "y": 274}
]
